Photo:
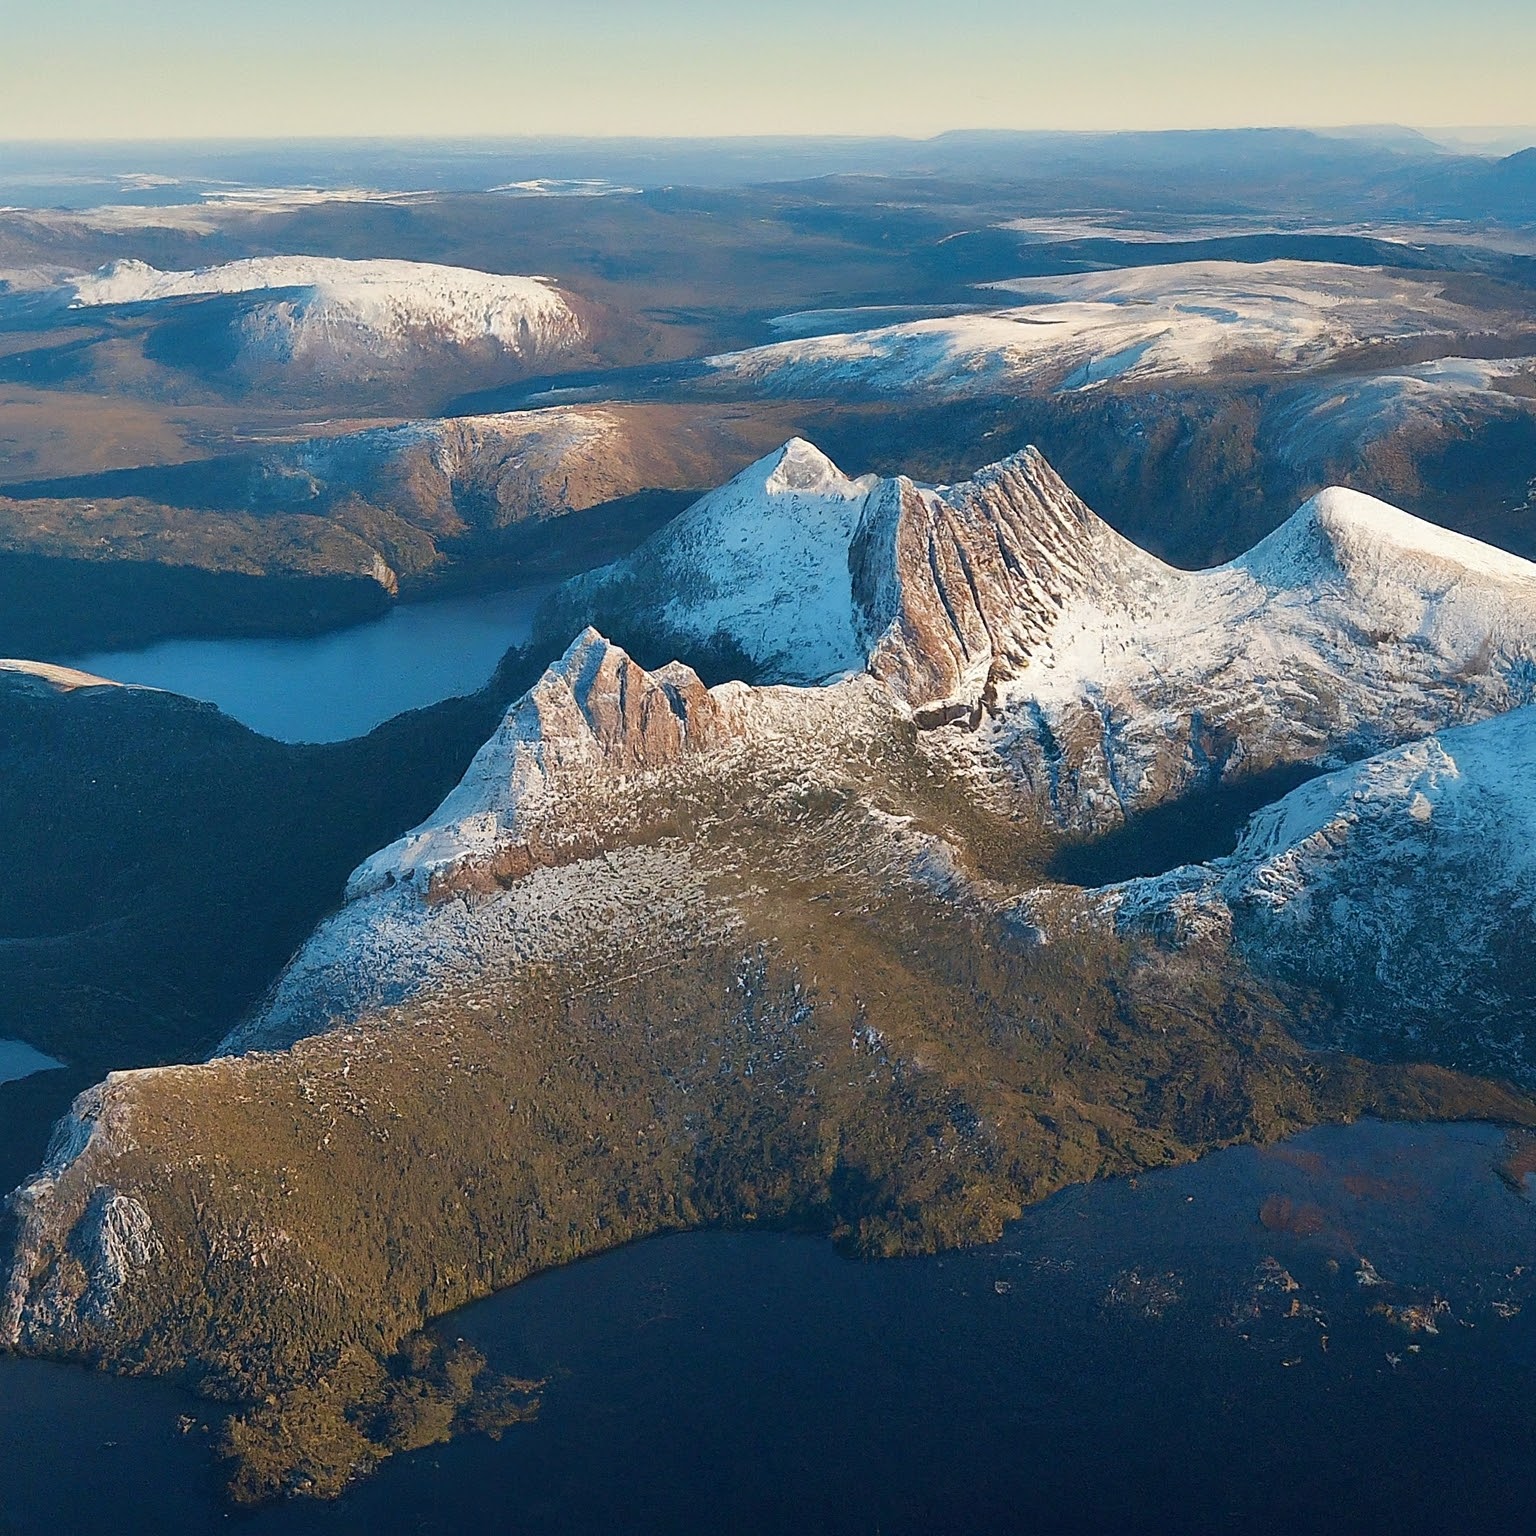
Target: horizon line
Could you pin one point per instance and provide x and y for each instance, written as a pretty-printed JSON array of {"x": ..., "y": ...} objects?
[{"x": 810, "y": 137}]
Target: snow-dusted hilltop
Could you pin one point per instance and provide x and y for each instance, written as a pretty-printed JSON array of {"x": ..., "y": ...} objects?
[
  {"x": 451, "y": 474},
  {"x": 1079, "y": 332},
  {"x": 356, "y": 316},
  {"x": 1330, "y": 419}
]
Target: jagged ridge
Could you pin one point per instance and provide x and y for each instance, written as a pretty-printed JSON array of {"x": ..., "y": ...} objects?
[{"x": 594, "y": 712}]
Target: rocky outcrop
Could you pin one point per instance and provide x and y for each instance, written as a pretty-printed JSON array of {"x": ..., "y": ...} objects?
[
  {"x": 80, "y": 1242},
  {"x": 594, "y": 717}
]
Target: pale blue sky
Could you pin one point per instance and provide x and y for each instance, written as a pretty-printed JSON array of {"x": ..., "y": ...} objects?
[{"x": 147, "y": 68}]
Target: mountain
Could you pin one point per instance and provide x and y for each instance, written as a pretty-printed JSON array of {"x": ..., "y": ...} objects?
[
  {"x": 1102, "y": 681},
  {"x": 354, "y": 319},
  {"x": 335, "y": 525},
  {"x": 757, "y": 571},
  {"x": 674, "y": 955},
  {"x": 799, "y": 573},
  {"x": 1476, "y": 186}
]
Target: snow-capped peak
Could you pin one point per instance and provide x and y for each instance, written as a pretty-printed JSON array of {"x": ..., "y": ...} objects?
[
  {"x": 758, "y": 567},
  {"x": 799, "y": 573},
  {"x": 1345, "y": 532},
  {"x": 802, "y": 466}
]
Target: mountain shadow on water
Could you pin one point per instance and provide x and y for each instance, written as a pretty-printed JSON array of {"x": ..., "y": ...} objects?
[{"x": 1193, "y": 830}]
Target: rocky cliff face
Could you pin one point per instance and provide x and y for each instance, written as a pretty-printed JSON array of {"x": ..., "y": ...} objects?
[
  {"x": 83, "y": 1239},
  {"x": 957, "y": 588},
  {"x": 1106, "y": 681},
  {"x": 594, "y": 719}
]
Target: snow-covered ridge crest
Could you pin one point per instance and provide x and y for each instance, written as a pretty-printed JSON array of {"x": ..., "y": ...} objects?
[
  {"x": 1352, "y": 628},
  {"x": 594, "y": 713},
  {"x": 1109, "y": 680},
  {"x": 322, "y": 304},
  {"x": 1348, "y": 533},
  {"x": 1085, "y": 330},
  {"x": 1405, "y": 885},
  {"x": 802, "y": 574}
]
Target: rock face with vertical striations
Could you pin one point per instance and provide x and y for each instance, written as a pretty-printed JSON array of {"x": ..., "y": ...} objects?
[
  {"x": 1106, "y": 681},
  {"x": 595, "y": 715},
  {"x": 957, "y": 587}
]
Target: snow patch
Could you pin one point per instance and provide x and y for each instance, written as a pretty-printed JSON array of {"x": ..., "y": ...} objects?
[{"x": 761, "y": 563}]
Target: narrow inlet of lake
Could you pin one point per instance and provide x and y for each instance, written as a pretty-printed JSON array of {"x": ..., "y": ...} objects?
[{"x": 338, "y": 685}]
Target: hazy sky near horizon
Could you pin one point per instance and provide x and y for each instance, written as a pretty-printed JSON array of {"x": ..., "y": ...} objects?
[{"x": 274, "y": 68}]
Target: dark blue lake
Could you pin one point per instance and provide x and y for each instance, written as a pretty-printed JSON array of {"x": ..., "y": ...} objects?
[{"x": 1337, "y": 1334}]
